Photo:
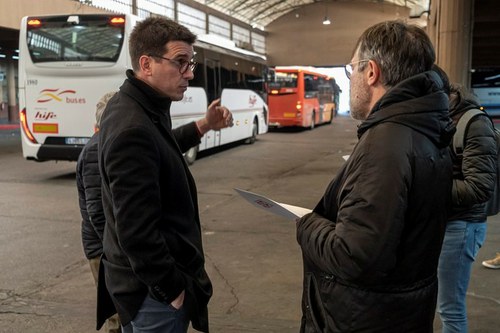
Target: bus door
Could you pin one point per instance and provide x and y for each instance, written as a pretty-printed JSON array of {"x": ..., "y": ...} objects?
[
  {"x": 311, "y": 113},
  {"x": 325, "y": 98},
  {"x": 213, "y": 88}
]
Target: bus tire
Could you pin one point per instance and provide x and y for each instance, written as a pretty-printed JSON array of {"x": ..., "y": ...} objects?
[
  {"x": 190, "y": 155},
  {"x": 255, "y": 131}
]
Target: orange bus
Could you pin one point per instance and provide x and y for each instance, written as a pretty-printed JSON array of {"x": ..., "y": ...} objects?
[{"x": 299, "y": 97}]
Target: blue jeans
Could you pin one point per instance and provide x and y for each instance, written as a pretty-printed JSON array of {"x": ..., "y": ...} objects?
[
  {"x": 157, "y": 317},
  {"x": 461, "y": 244}
]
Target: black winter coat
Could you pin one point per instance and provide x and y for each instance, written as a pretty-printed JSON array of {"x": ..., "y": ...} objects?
[
  {"x": 88, "y": 182},
  {"x": 474, "y": 174},
  {"x": 152, "y": 240},
  {"x": 371, "y": 246}
]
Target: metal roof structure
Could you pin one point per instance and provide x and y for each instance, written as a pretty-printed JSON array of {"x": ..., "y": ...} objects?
[{"x": 259, "y": 13}]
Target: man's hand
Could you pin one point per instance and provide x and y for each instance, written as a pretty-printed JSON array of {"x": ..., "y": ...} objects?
[
  {"x": 216, "y": 118},
  {"x": 177, "y": 303}
]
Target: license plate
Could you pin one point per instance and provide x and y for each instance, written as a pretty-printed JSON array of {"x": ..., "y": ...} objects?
[{"x": 76, "y": 141}]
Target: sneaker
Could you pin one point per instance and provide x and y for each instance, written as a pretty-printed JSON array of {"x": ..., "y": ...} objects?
[{"x": 493, "y": 263}]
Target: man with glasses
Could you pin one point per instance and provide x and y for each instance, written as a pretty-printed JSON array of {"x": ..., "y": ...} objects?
[
  {"x": 371, "y": 245},
  {"x": 153, "y": 261}
]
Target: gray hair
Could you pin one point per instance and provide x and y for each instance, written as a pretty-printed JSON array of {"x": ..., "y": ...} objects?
[
  {"x": 400, "y": 50},
  {"x": 101, "y": 105}
]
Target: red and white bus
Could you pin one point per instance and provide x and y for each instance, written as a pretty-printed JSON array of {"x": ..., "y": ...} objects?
[
  {"x": 67, "y": 62},
  {"x": 300, "y": 97}
]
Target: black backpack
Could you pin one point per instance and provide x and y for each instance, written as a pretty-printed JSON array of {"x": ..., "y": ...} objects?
[{"x": 493, "y": 204}]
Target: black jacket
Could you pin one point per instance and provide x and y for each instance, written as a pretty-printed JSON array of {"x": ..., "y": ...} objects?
[
  {"x": 152, "y": 240},
  {"x": 88, "y": 182},
  {"x": 372, "y": 244},
  {"x": 474, "y": 175}
]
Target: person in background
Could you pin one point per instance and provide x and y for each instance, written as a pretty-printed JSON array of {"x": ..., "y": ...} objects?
[
  {"x": 371, "y": 245},
  {"x": 493, "y": 263},
  {"x": 88, "y": 182},
  {"x": 474, "y": 177},
  {"x": 153, "y": 254}
]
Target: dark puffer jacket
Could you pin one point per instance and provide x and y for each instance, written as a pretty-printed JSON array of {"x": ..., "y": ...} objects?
[
  {"x": 88, "y": 182},
  {"x": 372, "y": 244},
  {"x": 474, "y": 174}
]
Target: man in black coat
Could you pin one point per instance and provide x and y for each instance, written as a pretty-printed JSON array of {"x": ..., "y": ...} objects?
[
  {"x": 88, "y": 182},
  {"x": 153, "y": 255},
  {"x": 371, "y": 245}
]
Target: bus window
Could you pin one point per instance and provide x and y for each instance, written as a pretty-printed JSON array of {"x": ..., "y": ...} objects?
[
  {"x": 212, "y": 68},
  {"x": 311, "y": 86},
  {"x": 74, "y": 38}
]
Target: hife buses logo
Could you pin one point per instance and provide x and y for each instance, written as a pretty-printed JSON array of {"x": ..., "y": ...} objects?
[
  {"x": 252, "y": 99},
  {"x": 47, "y": 95}
]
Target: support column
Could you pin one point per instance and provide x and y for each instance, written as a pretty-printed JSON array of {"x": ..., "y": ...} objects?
[{"x": 450, "y": 28}]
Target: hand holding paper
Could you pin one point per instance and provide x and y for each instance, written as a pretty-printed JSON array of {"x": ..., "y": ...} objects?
[{"x": 285, "y": 210}]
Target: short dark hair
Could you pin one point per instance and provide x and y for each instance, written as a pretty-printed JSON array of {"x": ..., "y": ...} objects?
[
  {"x": 150, "y": 36},
  {"x": 400, "y": 50}
]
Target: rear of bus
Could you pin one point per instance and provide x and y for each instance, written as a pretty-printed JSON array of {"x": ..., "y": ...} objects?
[
  {"x": 66, "y": 63},
  {"x": 290, "y": 102}
]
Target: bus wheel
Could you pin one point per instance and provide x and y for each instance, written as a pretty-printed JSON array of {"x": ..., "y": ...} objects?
[
  {"x": 255, "y": 131},
  {"x": 313, "y": 121},
  {"x": 190, "y": 155}
]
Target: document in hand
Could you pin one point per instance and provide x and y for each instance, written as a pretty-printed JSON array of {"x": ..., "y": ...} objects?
[{"x": 288, "y": 211}]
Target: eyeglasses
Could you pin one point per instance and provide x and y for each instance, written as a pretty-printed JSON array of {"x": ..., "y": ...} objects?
[
  {"x": 182, "y": 64},
  {"x": 349, "y": 67}
]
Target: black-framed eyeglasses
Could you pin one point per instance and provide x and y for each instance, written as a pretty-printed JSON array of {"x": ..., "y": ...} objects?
[
  {"x": 183, "y": 65},
  {"x": 349, "y": 67}
]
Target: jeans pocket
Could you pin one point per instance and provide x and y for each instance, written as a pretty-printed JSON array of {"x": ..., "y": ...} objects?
[{"x": 479, "y": 237}]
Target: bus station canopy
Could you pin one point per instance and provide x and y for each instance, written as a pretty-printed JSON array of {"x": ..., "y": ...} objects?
[{"x": 260, "y": 13}]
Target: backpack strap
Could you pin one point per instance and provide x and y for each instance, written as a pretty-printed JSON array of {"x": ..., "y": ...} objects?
[{"x": 462, "y": 125}]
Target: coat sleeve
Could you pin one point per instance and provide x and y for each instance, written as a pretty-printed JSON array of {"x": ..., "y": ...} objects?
[
  {"x": 363, "y": 239},
  {"x": 132, "y": 165},
  {"x": 92, "y": 186},
  {"x": 186, "y": 136},
  {"x": 86, "y": 229},
  {"x": 478, "y": 164}
]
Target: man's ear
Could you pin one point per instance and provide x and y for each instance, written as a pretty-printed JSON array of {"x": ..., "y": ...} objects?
[
  {"x": 145, "y": 63},
  {"x": 373, "y": 73}
]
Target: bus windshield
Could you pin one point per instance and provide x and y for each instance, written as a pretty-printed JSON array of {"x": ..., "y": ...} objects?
[
  {"x": 283, "y": 80},
  {"x": 75, "y": 38}
]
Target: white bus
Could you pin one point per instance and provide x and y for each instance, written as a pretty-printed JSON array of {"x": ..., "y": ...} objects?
[
  {"x": 485, "y": 84},
  {"x": 67, "y": 62}
]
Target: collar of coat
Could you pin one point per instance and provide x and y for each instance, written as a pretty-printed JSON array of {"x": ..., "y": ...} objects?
[
  {"x": 152, "y": 100},
  {"x": 418, "y": 102}
]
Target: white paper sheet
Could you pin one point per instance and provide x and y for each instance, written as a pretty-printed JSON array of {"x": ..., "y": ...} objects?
[{"x": 285, "y": 210}]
